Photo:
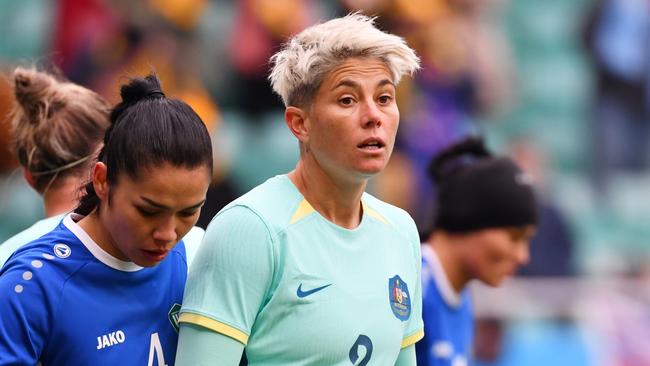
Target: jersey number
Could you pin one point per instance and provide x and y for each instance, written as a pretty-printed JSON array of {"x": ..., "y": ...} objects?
[
  {"x": 156, "y": 348},
  {"x": 362, "y": 341}
]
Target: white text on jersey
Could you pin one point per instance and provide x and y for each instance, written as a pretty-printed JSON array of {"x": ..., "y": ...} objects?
[{"x": 110, "y": 339}]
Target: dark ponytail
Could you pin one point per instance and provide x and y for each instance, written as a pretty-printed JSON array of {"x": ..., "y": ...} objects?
[
  {"x": 147, "y": 129},
  {"x": 476, "y": 190},
  {"x": 89, "y": 200},
  {"x": 449, "y": 159}
]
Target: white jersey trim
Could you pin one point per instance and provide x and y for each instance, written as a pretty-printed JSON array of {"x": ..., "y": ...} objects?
[
  {"x": 96, "y": 250},
  {"x": 451, "y": 297}
]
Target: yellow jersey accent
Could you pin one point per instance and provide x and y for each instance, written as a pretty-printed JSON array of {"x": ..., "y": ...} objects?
[
  {"x": 214, "y": 325},
  {"x": 303, "y": 210},
  {"x": 413, "y": 338},
  {"x": 374, "y": 214}
]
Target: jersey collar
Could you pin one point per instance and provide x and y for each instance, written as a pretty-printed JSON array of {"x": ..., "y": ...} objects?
[
  {"x": 70, "y": 221},
  {"x": 451, "y": 297}
]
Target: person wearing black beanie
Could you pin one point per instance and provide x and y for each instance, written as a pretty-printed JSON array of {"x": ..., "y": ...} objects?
[{"x": 486, "y": 214}]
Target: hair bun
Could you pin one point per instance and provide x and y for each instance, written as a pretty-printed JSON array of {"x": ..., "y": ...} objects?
[
  {"x": 31, "y": 88},
  {"x": 136, "y": 90},
  {"x": 141, "y": 88},
  {"x": 472, "y": 146}
]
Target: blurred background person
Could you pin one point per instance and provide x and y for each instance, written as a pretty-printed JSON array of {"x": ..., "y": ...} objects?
[
  {"x": 486, "y": 216},
  {"x": 57, "y": 129},
  {"x": 20, "y": 205},
  {"x": 617, "y": 37},
  {"x": 552, "y": 250}
]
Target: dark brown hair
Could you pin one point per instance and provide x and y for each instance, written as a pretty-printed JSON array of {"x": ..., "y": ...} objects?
[{"x": 148, "y": 129}]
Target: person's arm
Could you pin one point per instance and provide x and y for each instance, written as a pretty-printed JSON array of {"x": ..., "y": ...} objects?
[
  {"x": 228, "y": 282},
  {"x": 25, "y": 310},
  {"x": 215, "y": 348},
  {"x": 406, "y": 357}
]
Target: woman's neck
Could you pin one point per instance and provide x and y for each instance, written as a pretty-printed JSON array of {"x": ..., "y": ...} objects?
[
  {"x": 448, "y": 254},
  {"x": 62, "y": 197},
  {"x": 93, "y": 226},
  {"x": 336, "y": 200}
]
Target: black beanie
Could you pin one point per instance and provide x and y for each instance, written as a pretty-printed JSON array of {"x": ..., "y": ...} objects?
[{"x": 483, "y": 192}]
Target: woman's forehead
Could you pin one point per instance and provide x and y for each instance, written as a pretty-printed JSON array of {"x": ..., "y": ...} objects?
[
  {"x": 163, "y": 172},
  {"x": 358, "y": 68}
]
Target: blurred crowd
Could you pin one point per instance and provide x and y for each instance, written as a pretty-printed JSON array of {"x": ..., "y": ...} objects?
[{"x": 561, "y": 86}]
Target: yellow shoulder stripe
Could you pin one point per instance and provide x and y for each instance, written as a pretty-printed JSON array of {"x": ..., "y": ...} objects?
[
  {"x": 303, "y": 210},
  {"x": 214, "y": 325},
  {"x": 374, "y": 214},
  {"x": 413, "y": 338}
]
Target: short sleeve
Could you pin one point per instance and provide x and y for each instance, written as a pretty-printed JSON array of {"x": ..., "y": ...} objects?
[
  {"x": 231, "y": 275},
  {"x": 24, "y": 311},
  {"x": 414, "y": 329}
]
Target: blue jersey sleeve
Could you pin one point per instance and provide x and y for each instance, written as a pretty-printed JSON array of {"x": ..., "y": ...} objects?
[{"x": 25, "y": 309}]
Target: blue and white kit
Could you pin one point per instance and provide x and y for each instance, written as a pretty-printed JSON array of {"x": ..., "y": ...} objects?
[
  {"x": 447, "y": 315},
  {"x": 65, "y": 301}
]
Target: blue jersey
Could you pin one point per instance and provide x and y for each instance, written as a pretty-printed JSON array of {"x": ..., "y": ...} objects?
[
  {"x": 447, "y": 315},
  {"x": 65, "y": 301}
]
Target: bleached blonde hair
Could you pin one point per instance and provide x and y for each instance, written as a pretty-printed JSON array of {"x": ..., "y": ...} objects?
[{"x": 300, "y": 66}]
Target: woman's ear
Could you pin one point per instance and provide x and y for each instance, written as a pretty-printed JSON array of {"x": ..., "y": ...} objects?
[
  {"x": 296, "y": 120},
  {"x": 99, "y": 176}
]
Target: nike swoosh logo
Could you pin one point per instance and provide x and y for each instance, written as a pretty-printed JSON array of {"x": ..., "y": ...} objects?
[{"x": 302, "y": 293}]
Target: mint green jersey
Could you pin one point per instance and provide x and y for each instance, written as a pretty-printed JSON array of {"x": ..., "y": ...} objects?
[{"x": 296, "y": 289}]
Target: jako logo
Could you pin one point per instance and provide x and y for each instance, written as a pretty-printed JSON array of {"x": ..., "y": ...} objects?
[{"x": 110, "y": 339}]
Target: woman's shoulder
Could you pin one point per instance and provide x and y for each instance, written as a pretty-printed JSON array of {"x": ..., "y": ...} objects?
[
  {"x": 272, "y": 202},
  {"x": 396, "y": 218},
  {"x": 58, "y": 245},
  {"x": 392, "y": 214},
  {"x": 26, "y": 236},
  {"x": 44, "y": 265}
]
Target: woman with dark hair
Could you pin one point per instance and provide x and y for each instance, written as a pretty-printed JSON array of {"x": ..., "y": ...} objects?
[
  {"x": 106, "y": 285},
  {"x": 486, "y": 216}
]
